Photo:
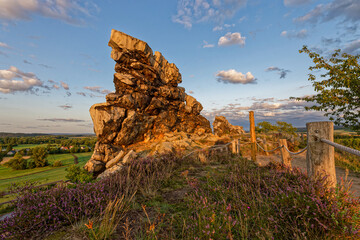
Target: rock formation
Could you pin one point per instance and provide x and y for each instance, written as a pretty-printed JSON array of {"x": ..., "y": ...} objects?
[
  {"x": 223, "y": 127},
  {"x": 147, "y": 103}
]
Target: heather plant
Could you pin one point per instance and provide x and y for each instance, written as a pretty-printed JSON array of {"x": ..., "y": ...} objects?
[
  {"x": 39, "y": 212},
  {"x": 269, "y": 202}
]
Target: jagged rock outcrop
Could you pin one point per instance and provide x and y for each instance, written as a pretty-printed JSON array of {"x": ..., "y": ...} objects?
[
  {"x": 223, "y": 127},
  {"x": 147, "y": 103}
]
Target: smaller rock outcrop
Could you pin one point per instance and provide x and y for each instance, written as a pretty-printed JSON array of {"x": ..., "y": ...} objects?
[{"x": 223, "y": 127}]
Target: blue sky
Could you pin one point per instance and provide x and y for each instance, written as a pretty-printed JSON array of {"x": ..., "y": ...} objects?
[{"x": 234, "y": 55}]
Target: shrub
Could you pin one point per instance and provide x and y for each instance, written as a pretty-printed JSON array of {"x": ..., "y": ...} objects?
[
  {"x": 76, "y": 174},
  {"x": 57, "y": 163},
  {"x": 31, "y": 164},
  {"x": 18, "y": 162}
]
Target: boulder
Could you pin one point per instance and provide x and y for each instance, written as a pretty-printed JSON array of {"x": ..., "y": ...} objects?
[
  {"x": 114, "y": 169},
  {"x": 223, "y": 127},
  {"x": 146, "y": 104},
  {"x": 130, "y": 156},
  {"x": 115, "y": 160}
]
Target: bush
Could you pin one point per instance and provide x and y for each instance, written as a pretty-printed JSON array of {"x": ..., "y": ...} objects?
[
  {"x": 76, "y": 174},
  {"x": 57, "y": 163},
  {"x": 18, "y": 162},
  {"x": 31, "y": 164}
]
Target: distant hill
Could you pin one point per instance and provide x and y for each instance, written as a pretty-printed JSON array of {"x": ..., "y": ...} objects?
[{"x": 6, "y": 134}]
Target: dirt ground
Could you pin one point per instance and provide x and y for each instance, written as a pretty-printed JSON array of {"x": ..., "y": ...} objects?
[{"x": 300, "y": 162}]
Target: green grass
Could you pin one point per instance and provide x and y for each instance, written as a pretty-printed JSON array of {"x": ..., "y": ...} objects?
[{"x": 42, "y": 175}]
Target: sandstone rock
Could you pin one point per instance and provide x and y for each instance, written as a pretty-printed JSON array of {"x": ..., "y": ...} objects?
[
  {"x": 147, "y": 103},
  {"x": 192, "y": 106},
  {"x": 164, "y": 148},
  {"x": 94, "y": 166},
  {"x": 106, "y": 118},
  {"x": 114, "y": 169},
  {"x": 115, "y": 160},
  {"x": 129, "y": 157},
  {"x": 223, "y": 127}
]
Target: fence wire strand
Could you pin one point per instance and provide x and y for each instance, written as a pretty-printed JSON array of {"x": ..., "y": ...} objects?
[
  {"x": 295, "y": 153},
  {"x": 270, "y": 150},
  {"x": 341, "y": 147}
]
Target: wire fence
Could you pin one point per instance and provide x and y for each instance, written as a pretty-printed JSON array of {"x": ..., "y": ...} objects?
[
  {"x": 341, "y": 147},
  {"x": 335, "y": 145}
]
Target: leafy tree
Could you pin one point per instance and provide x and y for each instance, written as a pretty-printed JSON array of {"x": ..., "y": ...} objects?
[
  {"x": 39, "y": 156},
  {"x": 9, "y": 148},
  {"x": 18, "y": 162},
  {"x": 286, "y": 128},
  {"x": 265, "y": 127},
  {"x": 338, "y": 89},
  {"x": 76, "y": 174}
]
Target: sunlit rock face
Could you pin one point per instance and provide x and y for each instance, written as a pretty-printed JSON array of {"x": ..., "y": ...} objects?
[
  {"x": 147, "y": 103},
  {"x": 223, "y": 127}
]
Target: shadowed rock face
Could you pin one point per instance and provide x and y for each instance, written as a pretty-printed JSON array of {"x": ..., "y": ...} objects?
[
  {"x": 147, "y": 102},
  {"x": 223, "y": 127}
]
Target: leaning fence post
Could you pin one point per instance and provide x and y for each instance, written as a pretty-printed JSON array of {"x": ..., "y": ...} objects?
[
  {"x": 252, "y": 136},
  {"x": 320, "y": 156},
  {"x": 285, "y": 156}
]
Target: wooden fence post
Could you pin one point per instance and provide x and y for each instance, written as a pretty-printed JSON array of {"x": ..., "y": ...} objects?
[
  {"x": 320, "y": 156},
  {"x": 252, "y": 135},
  {"x": 238, "y": 147},
  {"x": 285, "y": 156},
  {"x": 233, "y": 147},
  {"x": 265, "y": 147}
]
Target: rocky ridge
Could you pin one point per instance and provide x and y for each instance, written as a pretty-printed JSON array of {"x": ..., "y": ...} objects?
[{"x": 147, "y": 105}]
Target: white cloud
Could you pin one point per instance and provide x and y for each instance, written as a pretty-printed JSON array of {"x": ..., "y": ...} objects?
[
  {"x": 232, "y": 76},
  {"x": 296, "y": 2},
  {"x": 4, "y": 45},
  {"x": 13, "y": 80},
  {"x": 222, "y": 27},
  {"x": 345, "y": 9},
  {"x": 293, "y": 34},
  {"x": 232, "y": 39},
  {"x": 353, "y": 47},
  {"x": 267, "y": 109},
  {"x": 207, "y": 45},
  {"x": 64, "y": 85},
  {"x": 195, "y": 11},
  {"x": 65, "y": 10},
  {"x": 97, "y": 89}
]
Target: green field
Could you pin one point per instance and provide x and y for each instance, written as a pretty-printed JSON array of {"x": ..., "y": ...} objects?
[
  {"x": 41, "y": 175},
  {"x": 22, "y": 146}
]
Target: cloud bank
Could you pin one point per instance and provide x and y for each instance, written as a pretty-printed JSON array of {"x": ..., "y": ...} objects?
[
  {"x": 69, "y": 11},
  {"x": 195, "y": 11},
  {"x": 14, "y": 80}
]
